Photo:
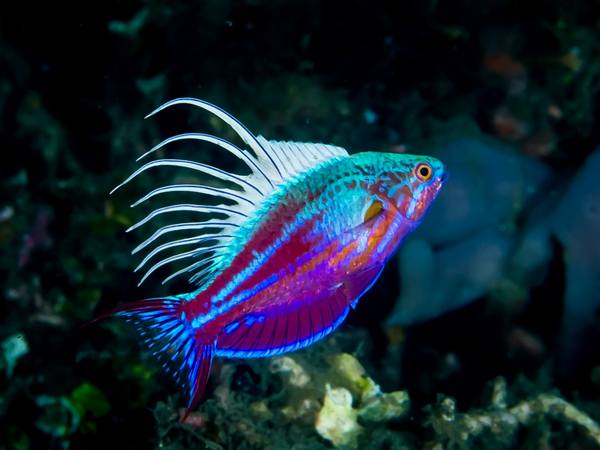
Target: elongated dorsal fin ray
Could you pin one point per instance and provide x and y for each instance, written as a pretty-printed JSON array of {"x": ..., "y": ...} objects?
[
  {"x": 192, "y": 253},
  {"x": 211, "y": 265},
  {"x": 217, "y": 238},
  {"x": 235, "y": 124},
  {"x": 198, "y": 189},
  {"x": 233, "y": 149},
  {"x": 240, "y": 180},
  {"x": 219, "y": 209},
  {"x": 271, "y": 164},
  {"x": 186, "y": 226}
]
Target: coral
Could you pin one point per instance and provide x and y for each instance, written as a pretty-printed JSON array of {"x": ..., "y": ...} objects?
[
  {"x": 337, "y": 420},
  {"x": 350, "y": 372},
  {"x": 497, "y": 425},
  {"x": 385, "y": 407},
  {"x": 306, "y": 401},
  {"x": 297, "y": 376},
  {"x": 346, "y": 397}
]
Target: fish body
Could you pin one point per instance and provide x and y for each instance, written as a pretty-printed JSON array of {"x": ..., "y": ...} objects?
[{"x": 311, "y": 231}]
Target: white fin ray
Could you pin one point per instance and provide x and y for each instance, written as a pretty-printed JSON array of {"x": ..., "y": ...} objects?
[
  {"x": 240, "y": 180},
  {"x": 192, "y": 253},
  {"x": 296, "y": 157},
  {"x": 233, "y": 149},
  {"x": 224, "y": 226},
  {"x": 197, "y": 189},
  {"x": 235, "y": 124},
  {"x": 218, "y": 238},
  {"x": 204, "y": 272},
  {"x": 272, "y": 163},
  {"x": 219, "y": 209}
]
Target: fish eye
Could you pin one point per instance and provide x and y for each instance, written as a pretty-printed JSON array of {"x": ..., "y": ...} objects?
[{"x": 423, "y": 171}]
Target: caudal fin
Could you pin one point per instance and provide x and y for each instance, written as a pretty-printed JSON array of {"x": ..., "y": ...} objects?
[{"x": 185, "y": 353}]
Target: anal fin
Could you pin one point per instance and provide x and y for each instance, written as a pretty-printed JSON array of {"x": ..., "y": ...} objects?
[
  {"x": 284, "y": 328},
  {"x": 362, "y": 280}
]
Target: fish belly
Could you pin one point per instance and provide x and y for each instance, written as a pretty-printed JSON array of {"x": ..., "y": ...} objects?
[{"x": 297, "y": 312}]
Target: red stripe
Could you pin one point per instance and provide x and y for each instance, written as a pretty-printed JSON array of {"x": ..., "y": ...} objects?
[
  {"x": 289, "y": 251},
  {"x": 265, "y": 236}
]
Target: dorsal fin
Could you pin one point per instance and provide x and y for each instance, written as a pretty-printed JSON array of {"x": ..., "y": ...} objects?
[
  {"x": 272, "y": 163},
  {"x": 295, "y": 157}
]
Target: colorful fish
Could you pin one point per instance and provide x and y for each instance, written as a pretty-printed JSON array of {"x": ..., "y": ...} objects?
[{"x": 277, "y": 265}]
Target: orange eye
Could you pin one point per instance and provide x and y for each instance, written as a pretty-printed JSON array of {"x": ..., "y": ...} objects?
[{"x": 423, "y": 171}]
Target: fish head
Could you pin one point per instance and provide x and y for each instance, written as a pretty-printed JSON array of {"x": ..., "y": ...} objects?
[{"x": 410, "y": 183}]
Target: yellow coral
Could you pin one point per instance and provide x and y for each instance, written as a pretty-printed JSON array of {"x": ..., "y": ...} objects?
[{"x": 337, "y": 420}]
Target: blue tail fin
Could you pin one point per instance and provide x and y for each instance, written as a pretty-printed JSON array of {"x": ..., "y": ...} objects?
[{"x": 185, "y": 352}]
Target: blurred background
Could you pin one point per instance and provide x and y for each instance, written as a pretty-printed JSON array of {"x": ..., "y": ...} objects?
[{"x": 487, "y": 319}]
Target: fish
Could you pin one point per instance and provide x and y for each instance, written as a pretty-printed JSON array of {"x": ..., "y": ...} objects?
[{"x": 282, "y": 259}]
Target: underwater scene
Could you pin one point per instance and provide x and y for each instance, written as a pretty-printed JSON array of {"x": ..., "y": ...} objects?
[{"x": 300, "y": 225}]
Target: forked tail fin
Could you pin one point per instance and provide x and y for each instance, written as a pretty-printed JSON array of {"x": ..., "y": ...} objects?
[{"x": 185, "y": 353}]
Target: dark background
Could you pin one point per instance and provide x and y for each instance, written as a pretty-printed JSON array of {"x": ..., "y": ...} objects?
[{"x": 75, "y": 83}]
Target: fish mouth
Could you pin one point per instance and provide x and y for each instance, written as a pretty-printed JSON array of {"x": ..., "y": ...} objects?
[
  {"x": 440, "y": 182},
  {"x": 426, "y": 199}
]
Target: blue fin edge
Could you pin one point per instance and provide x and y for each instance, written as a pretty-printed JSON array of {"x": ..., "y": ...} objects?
[{"x": 185, "y": 353}]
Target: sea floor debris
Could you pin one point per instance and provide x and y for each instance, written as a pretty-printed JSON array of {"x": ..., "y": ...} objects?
[{"x": 498, "y": 424}]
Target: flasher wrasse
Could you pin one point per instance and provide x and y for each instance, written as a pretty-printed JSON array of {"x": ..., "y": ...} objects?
[{"x": 280, "y": 262}]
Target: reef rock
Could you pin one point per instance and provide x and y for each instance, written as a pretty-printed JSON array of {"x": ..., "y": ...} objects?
[
  {"x": 576, "y": 224},
  {"x": 463, "y": 248}
]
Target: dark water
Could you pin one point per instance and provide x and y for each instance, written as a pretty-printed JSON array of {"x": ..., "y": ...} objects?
[{"x": 500, "y": 287}]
